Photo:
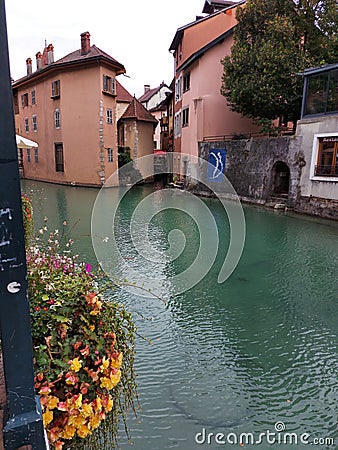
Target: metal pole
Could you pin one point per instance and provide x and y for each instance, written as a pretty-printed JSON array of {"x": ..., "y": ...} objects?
[{"x": 23, "y": 419}]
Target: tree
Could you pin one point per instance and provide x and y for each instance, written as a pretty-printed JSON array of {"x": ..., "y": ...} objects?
[{"x": 274, "y": 41}]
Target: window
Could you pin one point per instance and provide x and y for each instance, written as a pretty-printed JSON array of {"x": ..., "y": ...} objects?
[
  {"x": 178, "y": 89},
  {"x": 110, "y": 154},
  {"x": 109, "y": 115},
  {"x": 33, "y": 97},
  {"x": 185, "y": 117},
  {"x": 177, "y": 124},
  {"x": 327, "y": 159},
  {"x": 57, "y": 118},
  {"x": 56, "y": 89},
  {"x": 321, "y": 93},
  {"x": 16, "y": 102},
  {"x": 35, "y": 123},
  {"x": 24, "y": 100},
  {"x": 186, "y": 82},
  {"x": 28, "y": 155},
  {"x": 26, "y": 125},
  {"x": 59, "y": 161},
  {"x": 36, "y": 155},
  {"x": 108, "y": 85}
]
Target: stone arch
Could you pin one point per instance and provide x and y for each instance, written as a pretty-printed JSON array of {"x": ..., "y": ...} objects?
[{"x": 280, "y": 177}]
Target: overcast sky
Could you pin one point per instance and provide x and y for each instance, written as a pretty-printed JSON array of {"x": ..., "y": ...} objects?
[{"x": 136, "y": 33}]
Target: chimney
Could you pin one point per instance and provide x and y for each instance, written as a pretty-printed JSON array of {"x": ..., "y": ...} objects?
[
  {"x": 146, "y": 88},
  {"x": 85, "y": 43},
  {"x": 38, "y": 61},
  {"x": 50, "y": 54},
  {"x": 29, "y": 66}
]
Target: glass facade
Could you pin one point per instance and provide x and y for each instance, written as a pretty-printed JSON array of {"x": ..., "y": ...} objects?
[{"x": 321, "y": 93}]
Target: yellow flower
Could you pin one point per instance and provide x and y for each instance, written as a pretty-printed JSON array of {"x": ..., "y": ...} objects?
[
  {"x": 110, "y": 404},
  {"x": 77, "y": 421},
  {"x": 87, "y": 410},
  {"x": 68, "y": 432},
  {"x": 92, "y": 327},
  {"x": 117, "y": 363},
  {"x": 105, "y": 363},
  {"x": 115, "y": 377},
  {"x": 78, "y": 401},
  {"x": 83, "y": 431},
  {"x": 76, "y": 365},
  {"x": 97, "y": 404},
  {"x": 107, "y": 383},
  {"x": 52, "y": 402},
  {"x": 47, "y": 417},
  {"x": 95, "y": 421}
]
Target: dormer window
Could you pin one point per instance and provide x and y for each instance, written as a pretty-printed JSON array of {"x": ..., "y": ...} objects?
[{"x": 108, "y": 85}]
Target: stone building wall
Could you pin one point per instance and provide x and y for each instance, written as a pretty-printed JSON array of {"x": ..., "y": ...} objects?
[{"x": 250, "y": 167}]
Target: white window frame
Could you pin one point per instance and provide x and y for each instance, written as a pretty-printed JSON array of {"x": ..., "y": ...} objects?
[
  {"x": 314, "y": 158},
  {"x": 109, "y": 113},
  {"x": 108, "y": 84},
  {"x": 110, "y": 155},
  {"x": 33, "y": 97},
  {"x": 178, "y": 89},
  {"x": 56, "y": 89},
  {"x": 178, "y": 124},
  {"x": 185, "y": 112},
  {"x": 36, "y": 155},
  {"x": 35, "y": 123},
  {"x": 57, "y": 119}
]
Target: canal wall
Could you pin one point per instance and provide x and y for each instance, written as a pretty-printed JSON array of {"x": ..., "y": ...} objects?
[{"x": 255, "y": 166}]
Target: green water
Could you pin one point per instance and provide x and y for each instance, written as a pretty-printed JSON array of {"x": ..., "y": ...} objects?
[{"x": 226, "y": 358}]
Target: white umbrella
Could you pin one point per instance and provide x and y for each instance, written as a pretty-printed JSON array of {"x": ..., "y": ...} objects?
[{"x": 22, "y": 142}]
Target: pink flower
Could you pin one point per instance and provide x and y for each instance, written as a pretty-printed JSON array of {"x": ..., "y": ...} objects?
[{"x": 88, "y": 268}]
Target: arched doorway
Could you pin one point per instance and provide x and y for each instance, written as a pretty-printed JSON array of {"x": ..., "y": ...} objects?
[{"x": 280, "y": 178}]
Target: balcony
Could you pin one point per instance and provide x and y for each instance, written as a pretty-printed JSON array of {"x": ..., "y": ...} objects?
[{"x": 326, "y": 171}]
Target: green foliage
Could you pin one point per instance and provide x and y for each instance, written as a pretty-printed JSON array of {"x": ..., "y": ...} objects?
[
  {"x": 27, "y": 214},
  {"x": 124, "y": 156},
  {"x": 273, "y": 42}
]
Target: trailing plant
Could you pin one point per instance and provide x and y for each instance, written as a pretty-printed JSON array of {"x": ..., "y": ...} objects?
[
  {"x": 83, "y": 348},
  {"x": 27, "y": 214}
]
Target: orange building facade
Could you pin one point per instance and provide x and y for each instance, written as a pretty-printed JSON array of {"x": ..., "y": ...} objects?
[{"x": 69, "y": 108}]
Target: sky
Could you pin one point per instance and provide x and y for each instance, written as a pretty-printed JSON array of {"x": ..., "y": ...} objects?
[{"x": 136, "y": 33}]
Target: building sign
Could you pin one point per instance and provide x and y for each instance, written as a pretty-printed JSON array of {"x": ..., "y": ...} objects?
[{"x": 216, "y": 166}]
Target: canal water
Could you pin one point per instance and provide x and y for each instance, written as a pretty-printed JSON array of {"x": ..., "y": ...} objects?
[{"x": 256, "y": 354}]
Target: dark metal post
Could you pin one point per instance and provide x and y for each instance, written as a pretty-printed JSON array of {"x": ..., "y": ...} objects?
[{"x": 23, "y": 419}]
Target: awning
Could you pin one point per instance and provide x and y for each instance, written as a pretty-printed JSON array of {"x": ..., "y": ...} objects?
[{"x": 22, "y": 142}]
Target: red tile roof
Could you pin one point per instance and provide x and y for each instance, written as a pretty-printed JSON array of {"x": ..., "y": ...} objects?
[
  {"x": 122, "y": 95},
  {"x": 137, "y": 111},
  {"x": 147, "y": 95},
  {"x": 75, "y": 58},
  {"x": 93, "y": 52}
]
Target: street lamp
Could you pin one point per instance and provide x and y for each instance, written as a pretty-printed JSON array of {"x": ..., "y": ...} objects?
[{"x": 22, "y": 417}]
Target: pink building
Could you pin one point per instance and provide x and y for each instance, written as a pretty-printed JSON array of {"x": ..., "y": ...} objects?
[
  {"x": 69, "y": 108},
  {"x": 200, "y": 111}
]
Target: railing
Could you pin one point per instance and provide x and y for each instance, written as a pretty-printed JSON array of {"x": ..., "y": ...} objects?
[
  {"x": 326, "y": 171},
  {"x": 233, "y": 137}
]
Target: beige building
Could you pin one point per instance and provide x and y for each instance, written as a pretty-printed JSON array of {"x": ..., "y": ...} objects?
[{"x": 69, "y": 108}]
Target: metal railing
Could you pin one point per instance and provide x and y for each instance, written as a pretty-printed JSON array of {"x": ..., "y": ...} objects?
[{"x": 326, "y": 171}]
